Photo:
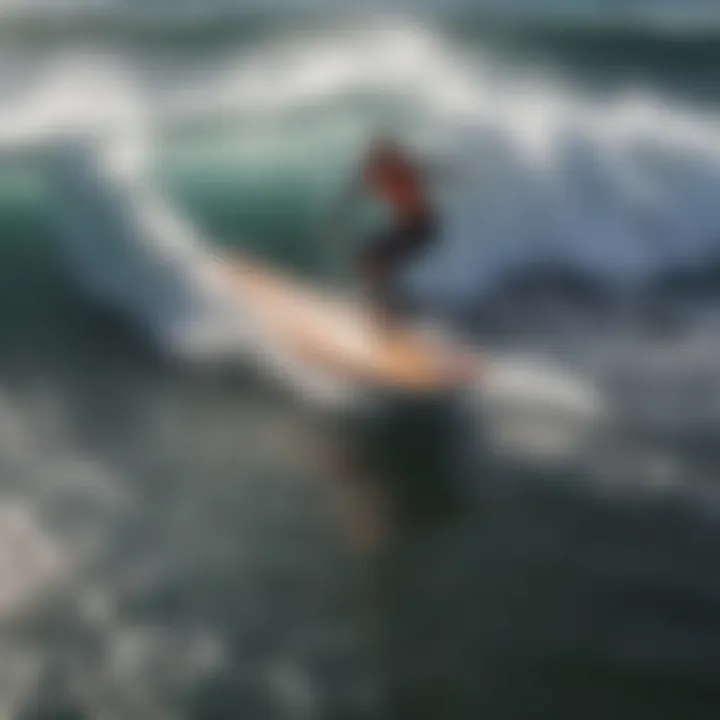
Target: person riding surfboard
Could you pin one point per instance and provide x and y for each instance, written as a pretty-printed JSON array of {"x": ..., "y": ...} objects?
[{"x": 391, "y": 177}]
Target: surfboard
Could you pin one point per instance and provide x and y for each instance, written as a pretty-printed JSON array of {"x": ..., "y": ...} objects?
[{"x": 340, "y": 336}]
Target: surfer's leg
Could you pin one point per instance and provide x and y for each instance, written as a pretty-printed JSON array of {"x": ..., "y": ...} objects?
[
  {"x": 376, "y": 264},
  {"x": 385, "y": 256},
  {"x": 417, "y": 239}
]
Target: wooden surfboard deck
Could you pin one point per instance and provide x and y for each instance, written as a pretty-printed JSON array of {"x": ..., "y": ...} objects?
[{"x": 340, "y": 336}]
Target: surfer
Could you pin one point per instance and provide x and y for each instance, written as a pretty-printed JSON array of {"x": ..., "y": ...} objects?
[{"x": 391, "y": 178}]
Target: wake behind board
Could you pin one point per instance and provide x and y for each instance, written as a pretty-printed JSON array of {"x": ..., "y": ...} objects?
[{"x": 339, "y": 337}]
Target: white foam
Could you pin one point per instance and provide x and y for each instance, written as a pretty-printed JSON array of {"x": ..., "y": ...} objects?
[
  {"x": 31, "y": 563},
  {"x": 533, "y": 409}
]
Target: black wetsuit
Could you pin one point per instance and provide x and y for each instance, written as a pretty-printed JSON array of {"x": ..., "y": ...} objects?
[{"x": 386, "y": 253}]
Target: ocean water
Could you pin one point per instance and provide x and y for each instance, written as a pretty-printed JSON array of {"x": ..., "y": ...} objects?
[{"x": 194, "y": 544}]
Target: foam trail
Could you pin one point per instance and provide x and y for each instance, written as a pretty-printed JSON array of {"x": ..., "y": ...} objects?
[{"x": 126, "y": 247}]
